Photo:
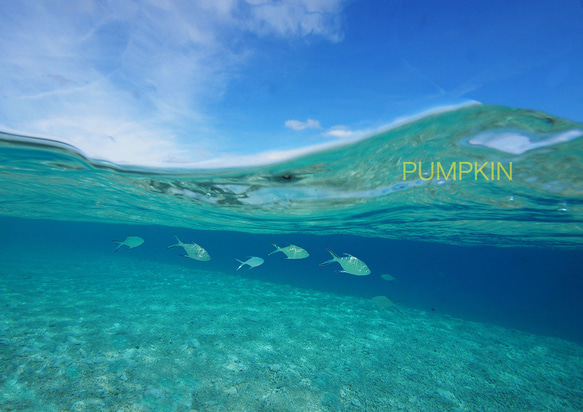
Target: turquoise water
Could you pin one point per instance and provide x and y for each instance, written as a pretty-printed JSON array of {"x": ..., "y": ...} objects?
[{"x": 486, "y": 294}]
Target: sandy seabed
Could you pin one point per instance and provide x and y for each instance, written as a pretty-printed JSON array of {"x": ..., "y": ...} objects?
[{"x": 117, "y": 334}]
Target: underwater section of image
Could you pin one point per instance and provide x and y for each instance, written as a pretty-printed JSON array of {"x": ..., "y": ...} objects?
[{"x": 88, "y": 324}]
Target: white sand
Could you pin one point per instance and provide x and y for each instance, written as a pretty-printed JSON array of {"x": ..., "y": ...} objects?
[{"x": 114, "y": 334}]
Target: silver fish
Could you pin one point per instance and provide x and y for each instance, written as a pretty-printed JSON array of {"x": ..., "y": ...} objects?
[
  {"x": 253, "y": 262},
  {"x": 291, "y": 251},
  {"x": 131, "y": 242},
  {"x": 192, "y": 250},
  {"x": 350, "y": 264}
]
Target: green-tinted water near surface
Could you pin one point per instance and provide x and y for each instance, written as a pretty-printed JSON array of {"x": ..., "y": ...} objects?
[{"x": 356, "y": 189}]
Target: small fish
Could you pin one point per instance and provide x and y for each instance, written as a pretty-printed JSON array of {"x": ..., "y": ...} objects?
[
  {"x": 386, "y": 303},
  {"x": 350, "y": 264},
  {"x": 131, "y": 242},
  {"x": 253, "y": 262},
  {"x": 291, "y": 251},
  {"x": 192, "y": 250},
  {"x": 388, "y": 277}
]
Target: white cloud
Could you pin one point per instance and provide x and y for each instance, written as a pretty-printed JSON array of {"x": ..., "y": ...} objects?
[
  {"x": 299, "y": 125},
  {"x": 131, "y": 81},
  {"x": 341, "y": 132}
]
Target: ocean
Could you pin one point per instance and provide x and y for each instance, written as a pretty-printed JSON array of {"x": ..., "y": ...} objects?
[{"x": 470, "y": 221}]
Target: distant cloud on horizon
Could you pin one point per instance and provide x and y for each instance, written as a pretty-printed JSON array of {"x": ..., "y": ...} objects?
[
  {"x": 299, "y": 125},
  {"x": 340, "y": 132}
]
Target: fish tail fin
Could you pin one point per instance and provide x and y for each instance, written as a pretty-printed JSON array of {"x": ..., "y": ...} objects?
[
  {"x": 276, "y": 249},
  {"x": 395, "y": 306},
  {"x": 332, "y": 253},
  {"x": 334, "y": 258},
  {"x": 118, "y": 246},
  {"x": 241, "y": 264},
  {"x": 176, "y": 245}
]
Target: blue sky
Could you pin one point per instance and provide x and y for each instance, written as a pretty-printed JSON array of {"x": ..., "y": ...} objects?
[{"x": 229, "y": 82}]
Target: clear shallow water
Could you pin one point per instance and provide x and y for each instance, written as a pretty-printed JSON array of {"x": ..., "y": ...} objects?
[
  {"x": 84, "y": 328},
  {"x": 110, "y": 332},
  {"x": 477, "y": 326}
]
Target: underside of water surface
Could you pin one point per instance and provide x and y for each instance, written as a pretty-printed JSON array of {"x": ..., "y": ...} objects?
[{"x": 476, "y": 175}]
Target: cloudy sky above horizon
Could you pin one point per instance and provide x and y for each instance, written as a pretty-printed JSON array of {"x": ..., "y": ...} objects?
[{"x": 215, "y": 82}]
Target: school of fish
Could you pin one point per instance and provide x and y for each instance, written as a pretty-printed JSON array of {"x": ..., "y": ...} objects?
[{"x": 349, "y": 264}]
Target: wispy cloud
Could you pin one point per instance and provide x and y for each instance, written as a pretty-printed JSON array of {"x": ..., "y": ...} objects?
[
  {"x": 297, "y": 17},
  {"x": 131, "y": 82},
  {"x": 299, "y": 125}
]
